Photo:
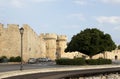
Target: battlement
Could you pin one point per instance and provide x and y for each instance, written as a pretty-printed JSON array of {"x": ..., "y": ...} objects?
[
  {"x": 1, "y": 25},
  {"x": 13, "y": 26},
  {"x": 49, "y": 36},
  {"x": 62, "y": 38},
  {"x": 42, "y": 35},
  {"x": 26, "y": 26},
  {"x": 10, "y": 26}
]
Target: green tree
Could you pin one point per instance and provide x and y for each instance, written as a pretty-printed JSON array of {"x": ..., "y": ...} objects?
[
  {"x": 118, "y": 46},
  {"x": 91, "y": 42}
]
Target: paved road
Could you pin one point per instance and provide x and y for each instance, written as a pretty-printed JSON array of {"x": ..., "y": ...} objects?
[{"x": 13, "y": 67}]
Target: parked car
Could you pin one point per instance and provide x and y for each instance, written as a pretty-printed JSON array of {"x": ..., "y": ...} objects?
[
  {"x": 48, "y": 59},
  {"x": 32, "y": 61},
  {"x": 43, "y": 59}
]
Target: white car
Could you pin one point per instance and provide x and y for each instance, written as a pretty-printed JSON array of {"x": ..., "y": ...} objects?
[
  {"x": 43, "y": 59},
  {"x": 32, "y": 61}
]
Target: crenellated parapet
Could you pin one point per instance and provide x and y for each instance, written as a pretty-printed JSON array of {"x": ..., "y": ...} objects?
[
  {"x": 27, "y": 27},
  {"x": 10, "y": 29},
  {"x": 1, "y": 26},
  {"x": 10, "y": 26},
  {"x": 50, "y": 36},
  {"x": 1, "y": 29},
  {"x": 28, "y": 30},
  {"x": 62, "y": 38}
]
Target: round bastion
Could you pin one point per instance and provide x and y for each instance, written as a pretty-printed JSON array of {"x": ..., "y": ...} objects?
[
  {"x": 62, "y": 38},
  {"x": 50, "y": 36}
]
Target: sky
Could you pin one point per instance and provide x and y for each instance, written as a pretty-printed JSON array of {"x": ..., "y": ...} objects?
[{"x": 63, "y": 17}]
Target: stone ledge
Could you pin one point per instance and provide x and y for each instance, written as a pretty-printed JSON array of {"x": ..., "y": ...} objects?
[{"x": 69, "y": 68}]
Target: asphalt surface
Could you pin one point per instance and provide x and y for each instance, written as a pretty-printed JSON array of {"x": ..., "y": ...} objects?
[
  {"x": 53, "y": 75},
  {"x": 67, "y": 74},
  {"x": 13, "y": 67}
]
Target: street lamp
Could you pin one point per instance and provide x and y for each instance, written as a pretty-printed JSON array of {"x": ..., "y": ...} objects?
[{"x": 21, "y": 33}]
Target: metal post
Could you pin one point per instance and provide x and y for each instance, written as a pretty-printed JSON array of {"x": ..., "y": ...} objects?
[
  {"x": 21, "y": 67},
  {"x": 21, "y": 33}
]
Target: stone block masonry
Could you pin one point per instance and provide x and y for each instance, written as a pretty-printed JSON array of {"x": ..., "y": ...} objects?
[
  {"x": 39, "y": 46},
  {"x": 34, "y": 46}
]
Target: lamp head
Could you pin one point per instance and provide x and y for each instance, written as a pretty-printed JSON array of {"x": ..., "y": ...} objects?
[{"x": 21, "y": 30}]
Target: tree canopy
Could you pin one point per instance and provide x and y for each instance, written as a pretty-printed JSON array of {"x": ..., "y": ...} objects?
[
  {"x": 118, "y": 46},
  {"x": 91, "y": 42}
]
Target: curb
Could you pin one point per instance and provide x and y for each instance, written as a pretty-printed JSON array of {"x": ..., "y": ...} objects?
[{"x": 33, "y": 71}]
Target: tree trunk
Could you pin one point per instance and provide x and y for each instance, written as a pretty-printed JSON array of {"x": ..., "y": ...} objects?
[
  {"x": 104, "y": 55},
  {"x": 90, "y": 57}
]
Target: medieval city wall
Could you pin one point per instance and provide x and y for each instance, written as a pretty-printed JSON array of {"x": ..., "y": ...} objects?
[
  {"x": 9, "y": 40},
  {"x": 34, "y": 46},
  {"x": 31, "y": 44},
  {"x": 72, "y": 55},
  {"x": 39, "y": 46},
  {"x": 115, "y": 54}
]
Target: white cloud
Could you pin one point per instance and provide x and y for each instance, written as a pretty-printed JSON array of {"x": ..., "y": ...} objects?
[
  {"x": 80, "y": 2},
  {"x": 111, "y": 1},
  {"x": 12, "y": 3},
  {"x": 20, "y": 3},
  {"x": 42, "y": 1},
  {"x": 89, "y": 2},
  {"x": 111, "y": 19},
  {"x": 17, "y": 3},
  {"x": 77, "y": 16}
]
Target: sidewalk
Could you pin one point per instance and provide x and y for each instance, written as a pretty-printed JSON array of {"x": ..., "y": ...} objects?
[{"x": 66, "y": 68}]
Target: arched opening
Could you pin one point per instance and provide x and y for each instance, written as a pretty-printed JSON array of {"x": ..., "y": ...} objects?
[{"x": 116, "y": 57}]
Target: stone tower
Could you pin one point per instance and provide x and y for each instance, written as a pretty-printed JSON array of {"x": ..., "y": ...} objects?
[
  {"x": 61, "y": 45},
  {"x": 42, "y": 46},
  {"x": 50, "y": 40}
]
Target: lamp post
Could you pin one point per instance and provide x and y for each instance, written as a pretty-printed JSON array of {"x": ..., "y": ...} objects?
[{"x": 21, "y": 33}]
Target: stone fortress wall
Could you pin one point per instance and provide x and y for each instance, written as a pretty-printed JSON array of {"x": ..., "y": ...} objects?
[
  {"x": 38, "y": 46},
  {"x": 114, "y": 55},
  {"x": 9, "y": 40},
  {"x": 34, "y": 46}
]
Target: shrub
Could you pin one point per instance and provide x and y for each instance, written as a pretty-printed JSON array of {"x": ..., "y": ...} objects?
[
  {"x": 3, "y": 59},
  {"x": 63, "y": 61},
  {"x": 0, "y": 60},
  {"x": 12, "y": 59},
  {"x": 75, "y": 61},
  {"x": 15, "y": 59},
  {"x": 104, "y": 61},
  {"x": 18, "y": 59},
  {"x": 99, "y": 61},
  {"x": 79, "y": 61},
  {"x": 82, "y": 61},
  {"x": 92, "y": 61}
]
